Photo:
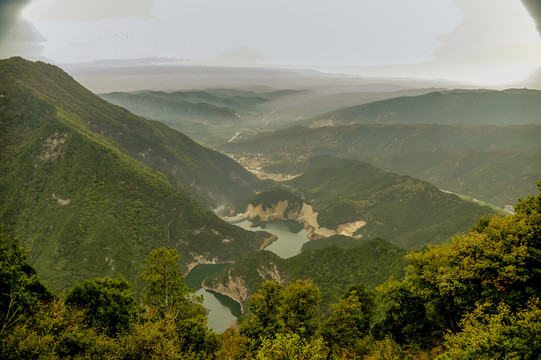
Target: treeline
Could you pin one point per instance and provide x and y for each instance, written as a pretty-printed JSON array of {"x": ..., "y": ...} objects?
[{"x": 475, "y": 298}]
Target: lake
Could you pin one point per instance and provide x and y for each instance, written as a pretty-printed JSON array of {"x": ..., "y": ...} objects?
[
  {"x": 224, "y": 311},
  {"x": 291, "y": 235}
]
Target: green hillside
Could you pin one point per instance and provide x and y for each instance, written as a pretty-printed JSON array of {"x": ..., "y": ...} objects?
[
  {"x": 406, "y": 211},
  {"x": 216, "y": 179},
  {"x": 78, "y": 190},
  {"x": 455, "y": 107},
  {"x": 491, "y": 163},
  {"x": 333, "y": 269}
]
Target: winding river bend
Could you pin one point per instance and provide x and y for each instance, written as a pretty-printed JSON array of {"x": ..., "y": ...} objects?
[{"x": 224, "y": 311}]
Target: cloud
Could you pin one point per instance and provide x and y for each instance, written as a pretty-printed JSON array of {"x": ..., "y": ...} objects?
[
  {"x": 488, "y": 26},
  {"x": 18, "y": 37},
  {"x": 9, "y": 13},
  {"x": 84, "y": 10},
  {"x": 534, "y": 8}
]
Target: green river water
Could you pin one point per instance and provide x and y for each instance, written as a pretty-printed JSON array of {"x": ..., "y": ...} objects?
[{"x": 224, "y": 310}]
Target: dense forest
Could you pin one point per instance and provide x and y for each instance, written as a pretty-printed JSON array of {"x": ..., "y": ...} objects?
[{"x": 474, "y": 298}]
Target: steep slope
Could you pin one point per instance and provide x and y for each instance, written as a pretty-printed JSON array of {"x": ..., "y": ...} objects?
[
  {"x": 457, "y": 107},
  {"x": 492, "y": 163},
  {"x": 71, "y": 191},
  {"x": 216, "y": 179}
]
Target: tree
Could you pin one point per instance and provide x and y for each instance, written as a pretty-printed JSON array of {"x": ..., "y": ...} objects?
[
  {"x": 165, "y": 290},
  {"x": 108, "y": 304},
  {"x": 301, "y": 301},
  {"x": 349, "y": 321},
  {"x": 498, "y": 261},
  {"x": 265, "y": 314},
  {"x": 56, "y": 331},
  {"x": 21, "y": 291},
  {"x": 168, "y": 298},
  {"x": 503, "y": 334},
  {"x": 405, "y": 316}
]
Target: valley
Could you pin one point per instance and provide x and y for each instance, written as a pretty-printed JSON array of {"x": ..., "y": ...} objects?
[{"x": 292, "y": 186}]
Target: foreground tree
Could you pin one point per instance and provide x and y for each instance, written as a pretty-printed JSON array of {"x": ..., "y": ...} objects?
[
  {"x": 405, "y": 317},
  {"x": 21, "y": 291},
  {"x": 165, "y": 289},
  {"x": 264, "y": 321},
  {"x": 301, "y": 301},
  {"x": 499, "y": 261},
  {"x": 57, "y": 332},
  {"x": 500, "y": 334},
  {"x": 350, "y": 321},
  {"x": 168, "y": 298},
  {"x": 107, "y": 304}
]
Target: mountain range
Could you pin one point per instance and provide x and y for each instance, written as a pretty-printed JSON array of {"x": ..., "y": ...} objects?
[{"x": 497, "y": 164}]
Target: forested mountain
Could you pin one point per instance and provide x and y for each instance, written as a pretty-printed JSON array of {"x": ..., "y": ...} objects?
[
  {"x": 358, "y": 199},
  {"x": 492, "y": 163},
  {"x": 454, "y": 107},
  {"x": 81, "y": 184}
]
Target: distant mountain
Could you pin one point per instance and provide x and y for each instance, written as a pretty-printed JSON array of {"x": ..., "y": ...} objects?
[
  {"x": 212, "y": 116},
  {"x": 92, "y": 189},
  {"x": 491, "y": 163},
  {"x": 160, "y": 106},
  {"x": 456, "y": 107}
]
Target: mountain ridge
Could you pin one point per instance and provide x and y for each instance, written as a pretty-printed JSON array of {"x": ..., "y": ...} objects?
[{"x": 82, "y": 199}]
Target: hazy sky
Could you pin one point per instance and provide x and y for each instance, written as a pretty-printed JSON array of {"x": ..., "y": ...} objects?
[{"x": 483, "y": 41}]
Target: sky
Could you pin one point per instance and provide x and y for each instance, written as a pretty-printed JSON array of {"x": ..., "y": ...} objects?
[{"x": 478, "y": 41}]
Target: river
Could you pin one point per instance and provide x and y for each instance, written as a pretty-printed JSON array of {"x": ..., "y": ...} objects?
[{"x": 224, "y": 310}]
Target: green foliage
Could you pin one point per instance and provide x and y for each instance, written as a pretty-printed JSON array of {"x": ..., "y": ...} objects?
[
  {"x": 265, "y": 319},
  {"x": 157, "y": 339},
  {"x": 349, "y": 321},
  {"x": 301, "y": 301},
  {"x": 168, "y": 298},
  {"x": 291, "y": 346},
  {"x": 57, "y": 332},
  {"x": 479, "y": 281},
  {"x": 21, "y": 291},
  {"x": 234, "y": 346},
  {"x": 107, "y": 303},
  {"x": 386, "y": 349},
  {"x": 405, "y": 316},
  {"x": 500, "y": 263},
  {"x": 500, "y": 334},
  {"x": 166, "y": 292}
]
